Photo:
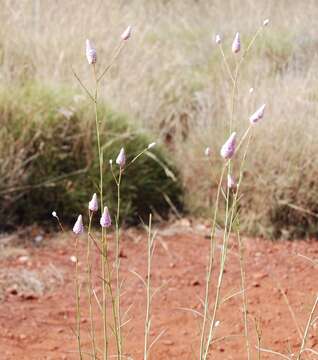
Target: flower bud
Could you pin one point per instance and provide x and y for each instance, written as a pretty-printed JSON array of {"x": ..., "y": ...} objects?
[
  {"x": 207, "y": 151},
  {"x": 90, "y": 53},
  {"x": 231, "y": 183},
  {"x": 78, "y": 227},
  {"x": 105, "y": 220},
  {"x": 121, "y": 158},
  {"x": 127, "y": 33},
  {"x": 251, "y": 90},
  {"x": 151, "y": 145},
  {"x": 258, "y": 115},
  {"x": 236, "y": 45},
  {"x": 228, "y": 149},
  {"x": 218, "y": 39},
  {"x": 265, "y": 22},
  {"x": 93, "y": 204},
  {"x": 54, "y": 214}
]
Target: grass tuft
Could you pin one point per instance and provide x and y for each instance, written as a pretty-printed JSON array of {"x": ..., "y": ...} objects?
[{"x": 48, "y": 160}]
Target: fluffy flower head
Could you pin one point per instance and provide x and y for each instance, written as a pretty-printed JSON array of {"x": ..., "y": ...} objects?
[
  {"x": 258, "y": 115},
  {"x": 93, "y": 204},
  {"x": 105, "y": 220},
  {"x": 91, "y": 54},
  {"x": 78, "y": 227},
  {"x": 236, "y": 45},
  {"x": 228, "y": 149},
  {"x": 121, "y": 158}
]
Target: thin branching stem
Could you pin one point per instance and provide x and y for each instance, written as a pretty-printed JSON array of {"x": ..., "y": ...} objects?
[
  {"x": 210, "y": 265},
  {"x": 309, "y": 322},
  {"x": 112, "y": 60},
  {"x": 117, "y": 267},
  {"x": 90, "y": 287},
  {"x": 244, "y": 296},
  {"x": 148, "y": 289},
  {"x": 77, "y": 297}
]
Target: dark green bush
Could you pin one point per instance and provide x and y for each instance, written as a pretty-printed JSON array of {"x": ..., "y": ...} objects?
[{"x": 48, "y": 160}]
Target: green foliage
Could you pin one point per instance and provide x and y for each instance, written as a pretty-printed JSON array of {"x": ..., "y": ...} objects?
[{"x": 49, "y": 160}]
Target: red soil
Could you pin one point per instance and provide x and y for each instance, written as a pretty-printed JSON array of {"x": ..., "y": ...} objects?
[{"x": 40, "y": 327}]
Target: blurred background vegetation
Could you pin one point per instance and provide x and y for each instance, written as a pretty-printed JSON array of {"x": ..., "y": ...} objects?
[{"x": 171, "y": 81}]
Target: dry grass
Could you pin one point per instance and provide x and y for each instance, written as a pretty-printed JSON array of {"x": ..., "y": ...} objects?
[{"x": 171, "y": 78}]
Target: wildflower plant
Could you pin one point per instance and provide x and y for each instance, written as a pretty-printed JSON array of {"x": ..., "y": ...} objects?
[
  {"x": 111, "y": 283},
  {"x": 231, "y": 196},
  {"x": 228, "y": 195}
]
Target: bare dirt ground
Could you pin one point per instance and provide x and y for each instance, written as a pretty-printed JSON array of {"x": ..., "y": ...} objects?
[{"x": 37, "y": 295}]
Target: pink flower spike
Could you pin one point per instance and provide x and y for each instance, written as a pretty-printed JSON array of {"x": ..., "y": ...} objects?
[
  {"x": 91, "y": 54},
  {"x": 127, "y": 33},
  {"x": 218, "y": 39},
  {"x": 258, "y": 115},
  {"x": 228, "y": 149},
  {"x": 231, "y": 183},
  {"x": 93, "y": 204},
  {"x": 121, "y": 158},
  {"x": 105, "y": 220},
  {"x": 236, "y": 45},
  {"x": 78, "y": 227}
]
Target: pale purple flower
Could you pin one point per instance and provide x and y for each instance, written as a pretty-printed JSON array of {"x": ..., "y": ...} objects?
[
  {"x": 258, "y": 115},
  {"x": 93, "y": 204},
  {"x": 236, "y": 45},
  {"x": 228, "y": 149},
  {"x": 105, "y": 220},
  {"x": 207, "y": 151},
  {"x": 218, "y": 39},
  {"x": 127, "y": 33},
  {"x": 91, "y": 54},
  {"x": 121, "y": 158},
  {"x": 231, "y": 183},
  {"x": 78, "y": 227}
]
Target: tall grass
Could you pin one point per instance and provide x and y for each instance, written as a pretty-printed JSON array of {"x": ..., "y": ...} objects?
[{"x": 171, "y": 81}]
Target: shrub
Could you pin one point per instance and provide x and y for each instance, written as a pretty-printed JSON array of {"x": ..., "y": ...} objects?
[{"x": 48, "y": 160}]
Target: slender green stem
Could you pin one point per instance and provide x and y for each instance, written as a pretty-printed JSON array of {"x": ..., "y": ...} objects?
[
  {"x": 210, "y": 265},
  {"x": 104, "y": 235},
  {"x": 148, "y": 306},
  {"x": 226, "y": 64},
  {"x": 309, "y": 323},
  {"x": 244, "y": 297},
  {"x": 117, "y": 266},
  {"x": 77, "y": 296},
  {"x": 89, "y": 287},
  {"x": 219, "y": 284},
  {"x": 112, "y": 60},
  {"x": 229, "y": 217},
  {"x": 104, "y": 302},
  {"x": 259, "y": 338}
]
